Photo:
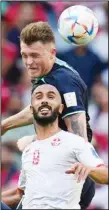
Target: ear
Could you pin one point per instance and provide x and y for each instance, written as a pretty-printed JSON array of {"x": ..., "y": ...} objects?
[
  {"x": 53, "y": 52},
  {"x": 61, "y": 108}
]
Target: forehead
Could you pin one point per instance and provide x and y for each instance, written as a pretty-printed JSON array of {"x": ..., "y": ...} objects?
[
  {"x": 45, "y": 89},
  {"x": 34, "y": 47}
]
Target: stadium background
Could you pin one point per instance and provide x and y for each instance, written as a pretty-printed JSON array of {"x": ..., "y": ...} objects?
[{"x": 90, "y": 61}]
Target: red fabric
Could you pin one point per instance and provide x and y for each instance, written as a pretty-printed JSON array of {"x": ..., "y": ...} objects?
[
  {"x": 102, "y": 141},
  {"x": 100, "y": 165},
  {"x": 5, "y": 96},
  {"x": 3, "y": 177},
  {"x": 9, "y": 50},
  {"x": 13, "y": 11},
  {"x": 40, "y": 13},
  {"x": 13, "y": 178}
]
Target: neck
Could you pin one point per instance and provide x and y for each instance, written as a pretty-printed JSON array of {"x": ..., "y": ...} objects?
[{"x": 47, "y": 131}]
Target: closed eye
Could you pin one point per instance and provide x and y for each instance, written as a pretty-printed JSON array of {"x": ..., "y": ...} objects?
[
  {"x": 51, "y": 96},
  {"x": 38, "y": 97}
]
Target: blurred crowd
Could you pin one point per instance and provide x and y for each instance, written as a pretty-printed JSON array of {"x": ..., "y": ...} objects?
[{"x": 90, "y": 61}]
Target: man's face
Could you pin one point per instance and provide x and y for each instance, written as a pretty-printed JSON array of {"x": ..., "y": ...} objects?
[
  {"x": 38, "y": 58},
  {"x": 46, "y": 104}
]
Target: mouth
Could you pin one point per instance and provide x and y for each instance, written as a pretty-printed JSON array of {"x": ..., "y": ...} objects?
[
  {"x": 44, "y": 109},
  {"x": 33, "y": 70}
]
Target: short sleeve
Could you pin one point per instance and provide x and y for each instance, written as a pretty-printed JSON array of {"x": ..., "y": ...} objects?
[
  {"x": 22, "y": 180},
  {"x": 88, "y": 156},
  {"x": 72, "y": 92}
]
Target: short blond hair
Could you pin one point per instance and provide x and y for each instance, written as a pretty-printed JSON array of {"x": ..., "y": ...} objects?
[{"x": 37, "y": 31}]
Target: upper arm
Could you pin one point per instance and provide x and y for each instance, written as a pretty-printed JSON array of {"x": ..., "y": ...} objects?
[
  {"x": 88, "y": 156},
  {"x": 76, "y": 123},
  {"x": 73, "y": 93}
]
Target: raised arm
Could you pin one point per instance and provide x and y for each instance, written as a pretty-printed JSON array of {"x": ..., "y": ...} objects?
[
  {"x": 21, "y": 119},
  {"x": 100, "y": 174},
  {"x": 89, "y": 164},
  {"x": 74, "y": 97},
  {"x": 76, "y": 123},
  {"x": 11, "y": 197}
]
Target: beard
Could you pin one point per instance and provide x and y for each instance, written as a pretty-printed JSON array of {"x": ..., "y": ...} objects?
[{"x": 46, "y": 120}]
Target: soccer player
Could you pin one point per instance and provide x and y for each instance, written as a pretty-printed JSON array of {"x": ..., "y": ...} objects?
[
  {"x": 39, "y": 57},
  {"x": 56, "y": 163}
]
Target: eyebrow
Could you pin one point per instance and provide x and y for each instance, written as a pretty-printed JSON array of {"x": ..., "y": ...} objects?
[
  {"x": 38, "y": 93},
  {"x": 23, "y": 53},
  {"x": 31, "y": 53},
  {"x": 50, "y": 92}
]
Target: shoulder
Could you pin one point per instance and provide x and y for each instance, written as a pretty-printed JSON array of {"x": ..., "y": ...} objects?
[
  {"x": 29, "y": 147},
  {"x": 64, "y": 70},
  {"x": 65, "y": 74},
  {"x": 73, "y": 139},
  {"x": 23, "y": 142}
]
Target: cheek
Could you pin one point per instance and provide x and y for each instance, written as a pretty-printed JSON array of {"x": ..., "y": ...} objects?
[
  {"x": 35, "y": 105},
  {"x": 44, "y": 63},
  {"x": 54, "y": 105},
  {"x": 40, "y": 64}
]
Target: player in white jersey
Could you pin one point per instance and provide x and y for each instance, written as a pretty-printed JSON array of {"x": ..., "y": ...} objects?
[{"x": 54, "y": 167}]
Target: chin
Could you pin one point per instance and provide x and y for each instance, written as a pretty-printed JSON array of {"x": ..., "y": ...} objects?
[{"x": 33, "y": 76}]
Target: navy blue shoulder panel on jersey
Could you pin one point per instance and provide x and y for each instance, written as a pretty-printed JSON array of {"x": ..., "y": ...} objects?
[{"x": 70, "y": 85}]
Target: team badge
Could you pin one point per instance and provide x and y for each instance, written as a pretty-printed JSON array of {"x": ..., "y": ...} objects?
[{"x": 56, "y": 142}]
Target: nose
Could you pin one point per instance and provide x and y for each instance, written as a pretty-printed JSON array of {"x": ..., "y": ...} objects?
[
  {"x": 44, "y": 102},
  {"x": 29, "y": 61}
]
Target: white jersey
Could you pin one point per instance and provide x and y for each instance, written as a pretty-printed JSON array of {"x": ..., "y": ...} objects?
[{"x": 43, "y": 177}]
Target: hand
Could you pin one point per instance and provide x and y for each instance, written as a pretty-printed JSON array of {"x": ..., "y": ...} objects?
[
  {"x": 24, "y": 141},
  {"x": 81, "y": 171}
]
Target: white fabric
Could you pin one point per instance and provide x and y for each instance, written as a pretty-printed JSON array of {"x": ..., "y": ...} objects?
[
  {"x": 43, "y": 176},
  {"x": 70, "y": 99}
]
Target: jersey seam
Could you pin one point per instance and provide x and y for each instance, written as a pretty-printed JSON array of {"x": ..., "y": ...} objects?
[{"x": 72, "y": 113}]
